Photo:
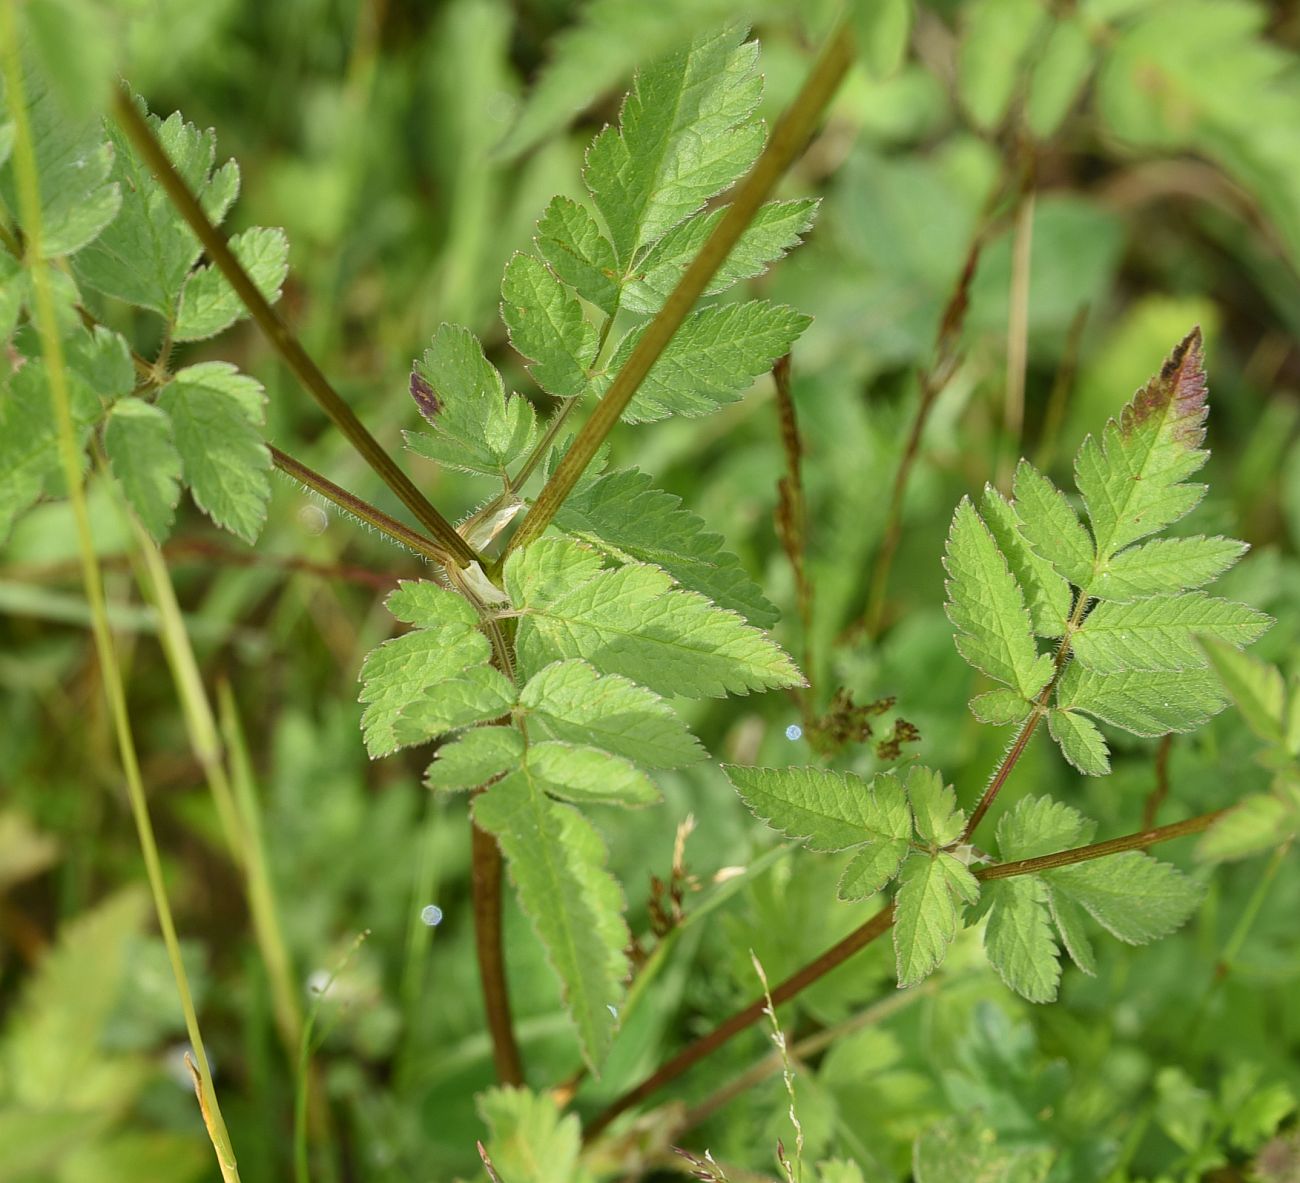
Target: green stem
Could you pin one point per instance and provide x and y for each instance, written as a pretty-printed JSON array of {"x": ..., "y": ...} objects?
[
  {"x": 277, "y": 332},
  {"x": 419, "y": 936},
  {"x": 1237, "y": 938},
  {"x": 200, "y": 726},
  {"x": 301, "y": 1164},
  {"x": 261, "y": 889},
  {"x": 788, "y": 139},
  {"x": 29, "y": 202},
  {"x": 860, "y": 938}
]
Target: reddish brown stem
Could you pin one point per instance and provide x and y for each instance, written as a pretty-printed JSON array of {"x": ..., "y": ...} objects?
[
  {"x": 1009, "y": 762},
  {"x": 485, "y": 885},
  {"x": 932, "y": 382},
  {"x": 1157, "y": 796},
  {"x": 860, "y": 938},
  {"x": 277, "y": 332},
  {"x": 789, "y": 138},
  {"x": 690, "y": 1055}
]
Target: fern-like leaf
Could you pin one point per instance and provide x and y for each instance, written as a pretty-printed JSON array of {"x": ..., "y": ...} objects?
[
  {"x": 556, "y": 861},
  {"x": 631, "y": 621},
  {"x": 987, "y": 608},
  {"x": 1133, "y": 479}
]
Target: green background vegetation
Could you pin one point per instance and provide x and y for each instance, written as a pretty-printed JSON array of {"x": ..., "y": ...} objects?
[{"x": 1159, "y": 138}]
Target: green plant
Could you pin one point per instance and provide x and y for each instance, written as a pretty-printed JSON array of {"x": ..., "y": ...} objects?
[{"x": 542, "y": 647}]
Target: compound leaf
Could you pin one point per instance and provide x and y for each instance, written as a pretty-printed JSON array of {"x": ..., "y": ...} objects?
[
  {"x": 1018, "y": 937},
  {"x": 927, "y": 913},
  {"x": 556, "y": 862},
  {"x": 1132, "y": 896},
  {"x": 631, "y": 621},
  {"x": 828, "y": 810},
  {"x": 577, "y": 704},
  {"x": 686, "y": 131},
  {"x": 548, "y": 327},
  {"x": 143, "y": 457},
  {"x": 144, "y": 255},
  {"x": 208, "y": 303},
  {"x": 778, "y": 227},
  {"x": 1160, "y": 633},
  {"x": 1133, "y": 479},
  {"x": 712, "y": 359},
  {"x": 625, "y": 515},
  {"x": 475, "y": 427},
  {"x": 986, "y": 607},
  {"x": 216, "y": 415}
]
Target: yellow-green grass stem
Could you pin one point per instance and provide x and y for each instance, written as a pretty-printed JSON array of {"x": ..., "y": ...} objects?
[{"x": 29, "y": 208}]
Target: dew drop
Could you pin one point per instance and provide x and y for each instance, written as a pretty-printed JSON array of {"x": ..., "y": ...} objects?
[
  {"x": 794, "y": 732},
  {"x": 313, "y": 519},
  {"x": 431, "y": 914},
  {"x": 612, "y": 1010}
]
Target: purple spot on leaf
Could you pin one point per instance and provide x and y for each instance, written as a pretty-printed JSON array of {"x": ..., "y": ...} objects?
[{"x": 424, "y": 396}]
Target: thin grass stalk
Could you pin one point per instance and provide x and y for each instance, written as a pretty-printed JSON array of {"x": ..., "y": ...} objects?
[{"x": 29, "y": 202}]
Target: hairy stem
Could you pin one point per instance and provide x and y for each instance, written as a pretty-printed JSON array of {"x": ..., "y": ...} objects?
[
  {"x": 860, "y": 938},
  {"x": 788, "y": 139},
  {"x": 792, "y": 521},
  {"x": 358, "y": 508},
  {"x": 813, "y": 1045},
  {"x": 29, "y": 202},
  {"x": 1030, "y": 725},
  {"x": 278, "y": 333},
  {"x": 799, "y": 981}
]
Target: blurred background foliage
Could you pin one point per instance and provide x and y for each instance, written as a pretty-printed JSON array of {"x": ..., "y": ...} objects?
[{"x": 407, "y": 148}]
